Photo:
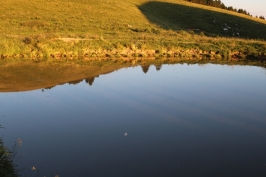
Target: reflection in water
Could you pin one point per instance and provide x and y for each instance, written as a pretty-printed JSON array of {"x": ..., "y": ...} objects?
[
  {"x": 75, "y": 82},
  {"x": 191, "y": 123},
  {"x": 48, "y": 88},
  {"x": 158, "y": 67},
  {"x": 26, "y": 75},
  {"x": 90, "y": 80},
  {"x": 145, "y": 68}
]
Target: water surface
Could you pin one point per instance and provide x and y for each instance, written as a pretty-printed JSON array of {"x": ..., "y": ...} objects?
[{"x": 178, "y": 120}]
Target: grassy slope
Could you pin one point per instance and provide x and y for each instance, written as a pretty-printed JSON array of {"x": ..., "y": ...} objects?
[
  {"x": 68, "y": 17},
  {"x": 33, "y": 28}
]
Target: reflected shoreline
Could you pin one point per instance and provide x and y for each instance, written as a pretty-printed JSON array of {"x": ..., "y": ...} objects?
[{"x": 27, "y": 75}]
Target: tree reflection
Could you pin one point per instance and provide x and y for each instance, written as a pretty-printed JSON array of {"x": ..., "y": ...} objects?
[
  {"x": 48, "y": 88},
  {"x": 158, "y": 67},
  {"x": 145, "y": 68},
  {"x": 90, "y": 80},
  {"x": 76, "y": 82}
]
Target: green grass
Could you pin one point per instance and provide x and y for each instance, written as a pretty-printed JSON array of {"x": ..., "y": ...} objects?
[
  {"x": 7, "y": 166},
  {"x": 132, "y": 28}
]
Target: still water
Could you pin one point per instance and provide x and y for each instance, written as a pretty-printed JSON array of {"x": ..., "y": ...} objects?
[{"x": 177, "y": 120}]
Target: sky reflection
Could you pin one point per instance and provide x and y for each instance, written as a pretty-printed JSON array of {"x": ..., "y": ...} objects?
[{"x": 182, "y": 120}]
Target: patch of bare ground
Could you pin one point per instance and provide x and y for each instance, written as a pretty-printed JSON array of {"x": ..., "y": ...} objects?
[{"x": 68, "y": 39}]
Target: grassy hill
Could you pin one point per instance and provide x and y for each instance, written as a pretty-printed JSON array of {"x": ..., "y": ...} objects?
[{"x": 96, "y": 28}]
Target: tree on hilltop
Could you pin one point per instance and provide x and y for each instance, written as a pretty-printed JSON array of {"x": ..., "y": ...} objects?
[
  {"x": 219, "y": 4},
  {"x": 262, "y": 17}
]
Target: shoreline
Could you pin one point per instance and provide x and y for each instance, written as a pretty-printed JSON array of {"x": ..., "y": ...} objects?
[
  {"x": 143, "y": 54},
  {"x": 198, "y": 48}
]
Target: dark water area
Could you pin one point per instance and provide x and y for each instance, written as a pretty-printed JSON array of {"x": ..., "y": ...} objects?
[{"x": 179, "y": 120}]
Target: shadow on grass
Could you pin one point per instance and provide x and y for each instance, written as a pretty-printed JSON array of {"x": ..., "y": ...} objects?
[{"x": 181, "y": 17}]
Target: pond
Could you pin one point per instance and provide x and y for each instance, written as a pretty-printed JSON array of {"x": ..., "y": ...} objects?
[{"x": 168, "y": 120}]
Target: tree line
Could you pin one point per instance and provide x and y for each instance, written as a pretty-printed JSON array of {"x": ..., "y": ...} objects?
[{"x": 219, "y": 4}]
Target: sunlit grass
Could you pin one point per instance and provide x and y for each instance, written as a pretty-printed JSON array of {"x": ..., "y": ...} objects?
[{"x": 86, "y": 28}]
